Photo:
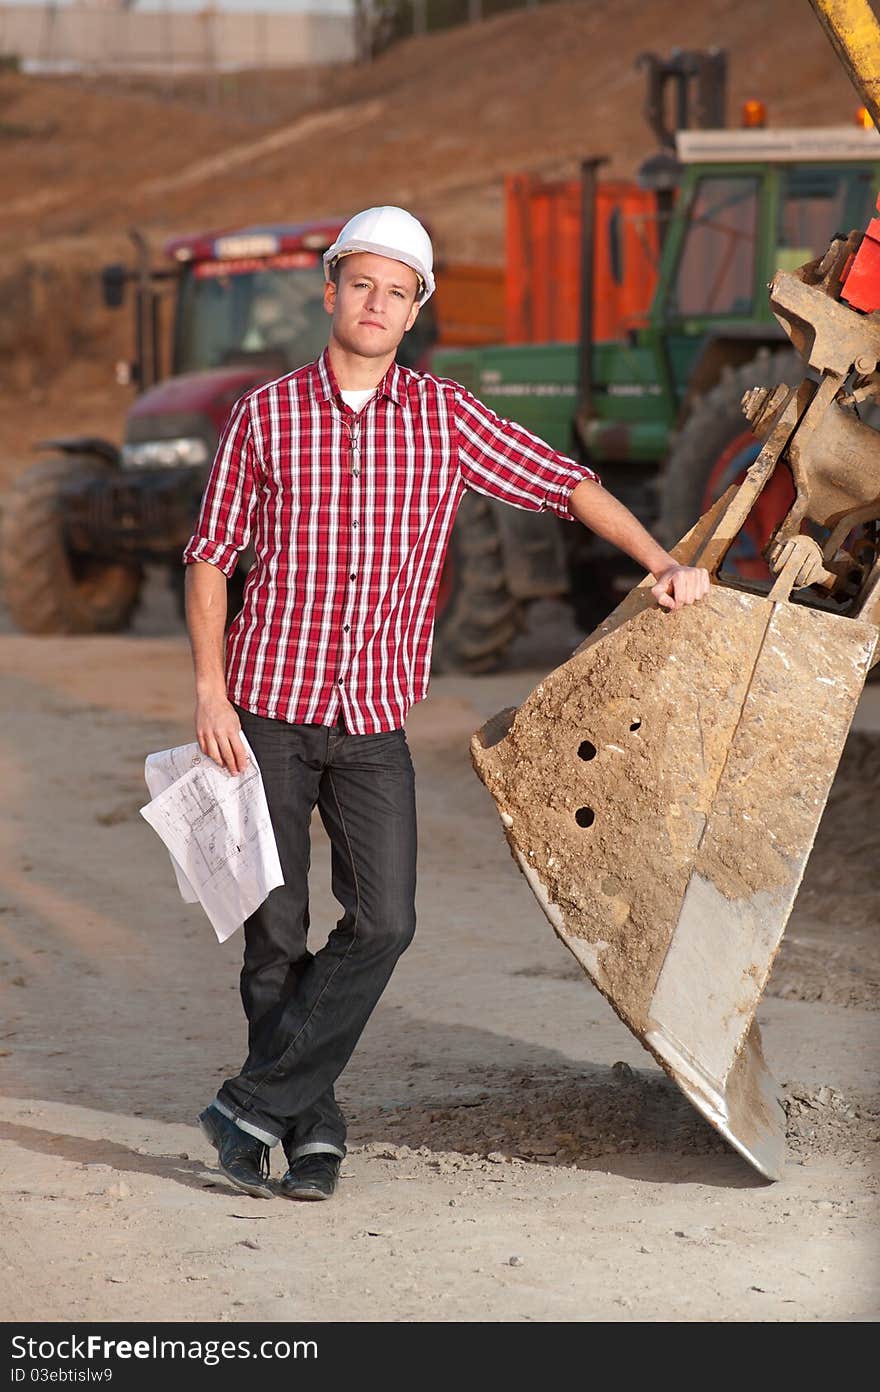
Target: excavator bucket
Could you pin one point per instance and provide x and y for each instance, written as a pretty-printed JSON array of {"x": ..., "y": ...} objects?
[{"x": 661, "y": 791}]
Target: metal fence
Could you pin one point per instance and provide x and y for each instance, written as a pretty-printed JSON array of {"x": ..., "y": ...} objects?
[{"x": 53, "y": 37}]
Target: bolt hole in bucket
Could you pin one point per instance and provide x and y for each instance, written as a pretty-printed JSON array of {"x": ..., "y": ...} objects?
[
  {"x": 585, "y": 816},
  {"x": 635, "y": 725},
  {"x": 586, "y": 750}
]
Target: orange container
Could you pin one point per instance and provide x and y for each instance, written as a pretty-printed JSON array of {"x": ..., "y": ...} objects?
[
  {"x": 469, "y": 304},
  {"x": 543, "y": 259}
]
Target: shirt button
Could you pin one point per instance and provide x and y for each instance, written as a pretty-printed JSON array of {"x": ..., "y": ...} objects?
[
  {"x": 339, "y": 682},
  {"x": 353, "y": 575},
  {"x": 354, "y": 524},
  {"x": 356, "y": 472},
  {"x": 346, "y": 627}
]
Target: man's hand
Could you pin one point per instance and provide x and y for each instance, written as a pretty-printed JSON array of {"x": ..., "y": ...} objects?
[
  {"x": 680, "y": 585},
  {"x": 218, "y": 731},
  {"x": 676, "y": 585}
]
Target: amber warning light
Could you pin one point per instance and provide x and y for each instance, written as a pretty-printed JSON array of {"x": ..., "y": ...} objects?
[
  {"x": 864, "y": 118},
  {"x": 754, "y": 115}
]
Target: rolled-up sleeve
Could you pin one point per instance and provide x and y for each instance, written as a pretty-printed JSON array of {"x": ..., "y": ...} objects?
[
  {"x": 506, "y": 461},
  {"x": 223, "y": 527}
]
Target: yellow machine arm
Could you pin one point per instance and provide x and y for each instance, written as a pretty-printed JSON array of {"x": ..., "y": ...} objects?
[{"x": 852, "y": 27}]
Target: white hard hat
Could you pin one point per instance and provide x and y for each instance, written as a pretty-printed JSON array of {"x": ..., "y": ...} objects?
[{"x": 391, "y": 232}]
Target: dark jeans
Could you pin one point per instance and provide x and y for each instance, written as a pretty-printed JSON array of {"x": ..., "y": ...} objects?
[{"x": 306, "y": 1010}]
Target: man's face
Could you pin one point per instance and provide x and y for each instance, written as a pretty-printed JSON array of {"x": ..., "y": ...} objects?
[{"x": 373, "y": 305}]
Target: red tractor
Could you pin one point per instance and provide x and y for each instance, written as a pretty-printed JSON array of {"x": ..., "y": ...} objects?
[{"x": 80, "y": 526}]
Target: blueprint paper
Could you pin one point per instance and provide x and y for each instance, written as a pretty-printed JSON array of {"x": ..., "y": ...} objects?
[
  {"x": 160, "y": 771},
  {"x": 217, "y": 829}
]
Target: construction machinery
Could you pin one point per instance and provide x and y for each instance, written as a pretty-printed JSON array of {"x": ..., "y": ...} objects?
[
  {"x": 235, "y": 308},
  {"x": 662, "y": 789},
  {"x": 219, "y": 314},
  {"x": 626, "y": 324},
  {"x": 652, "y": 400}
]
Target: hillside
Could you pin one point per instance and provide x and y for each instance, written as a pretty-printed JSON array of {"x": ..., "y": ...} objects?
[{"x": 433, "y": 124}]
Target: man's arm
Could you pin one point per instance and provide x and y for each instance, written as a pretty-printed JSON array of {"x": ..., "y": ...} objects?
[
  {"x": 211, "y": 556},
  {"x": 506, "y": 461},
  {"x": 217, "y": 725},
  {"x": 607, "y": 517}
]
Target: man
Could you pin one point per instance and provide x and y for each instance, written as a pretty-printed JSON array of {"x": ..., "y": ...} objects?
[{"x": 347, "y": 475}]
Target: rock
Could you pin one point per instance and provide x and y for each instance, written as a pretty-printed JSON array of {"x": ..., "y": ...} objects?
[
  {"x": 514, "y": 1261},
  {"x": 250, "y": 1242},
  {"x": 622, "y": 1072},
  {"x": 496, "y": 1157}
]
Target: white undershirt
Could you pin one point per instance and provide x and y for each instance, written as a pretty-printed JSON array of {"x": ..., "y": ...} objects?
[{"x": 357, "y": 400}]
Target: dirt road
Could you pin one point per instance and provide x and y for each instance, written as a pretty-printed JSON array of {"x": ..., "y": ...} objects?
[{"x": 515, "y": 1155}]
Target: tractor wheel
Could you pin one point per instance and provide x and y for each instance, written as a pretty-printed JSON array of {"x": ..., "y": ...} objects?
[
  {"x": 714, "y": 449},
  {"x": 46, "y": 587},
  {"x": 476, "y": 615}
]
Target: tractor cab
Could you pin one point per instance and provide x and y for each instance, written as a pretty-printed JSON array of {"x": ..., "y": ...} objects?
[{"x": 245, "y": 306}]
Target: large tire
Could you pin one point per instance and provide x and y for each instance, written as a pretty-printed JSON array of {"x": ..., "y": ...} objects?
[
  {"x": 476, "y": 616},
  {"x": 47, "y": 589},
  {"x": 592, "y": 594},
  {"x": 714, "y": 449}
]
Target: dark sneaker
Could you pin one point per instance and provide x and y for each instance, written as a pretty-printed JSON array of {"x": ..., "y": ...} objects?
[
  {"x": 243, "y": 1159},
  {"x": 313, "y": 1176}
]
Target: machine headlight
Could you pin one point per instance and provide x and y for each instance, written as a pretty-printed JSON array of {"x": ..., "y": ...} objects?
[{"x": 186, "y": 452}]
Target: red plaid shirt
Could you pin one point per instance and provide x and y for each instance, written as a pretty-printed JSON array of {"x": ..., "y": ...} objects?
[{"x": 350, "y": 516}]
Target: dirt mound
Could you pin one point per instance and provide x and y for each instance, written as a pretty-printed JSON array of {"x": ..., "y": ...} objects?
[
  {"x": 839, "y": 888},
  {"x": 434, "y": 123},
  {"x": 551, "y": 1119}
]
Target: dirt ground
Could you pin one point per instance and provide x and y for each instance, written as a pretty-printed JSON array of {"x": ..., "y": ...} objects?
[{"x": 515, "y": 1154}]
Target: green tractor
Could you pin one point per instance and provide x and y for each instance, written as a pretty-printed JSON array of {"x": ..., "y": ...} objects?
[{"x": 658, "y": 414}]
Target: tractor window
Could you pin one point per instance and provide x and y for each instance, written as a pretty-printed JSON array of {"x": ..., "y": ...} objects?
[
  {"x": 269, "y": 313},
  {"x": 817, "y": 204},
  {"x": 716, "y": 270},
  {"x": 244, "y": 312}
]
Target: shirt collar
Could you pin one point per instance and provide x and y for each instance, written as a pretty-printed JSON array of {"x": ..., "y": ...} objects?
[{"x": 326, "y": 387}]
